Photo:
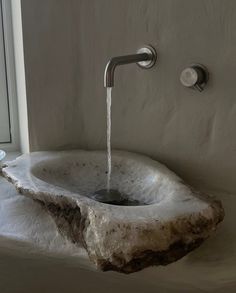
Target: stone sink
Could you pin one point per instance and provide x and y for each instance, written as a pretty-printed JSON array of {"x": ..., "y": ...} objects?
[{"x": 152, "y": 217}]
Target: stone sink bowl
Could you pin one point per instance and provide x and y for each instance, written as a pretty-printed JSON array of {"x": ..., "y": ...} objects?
[{"x": 166, "y": 218}]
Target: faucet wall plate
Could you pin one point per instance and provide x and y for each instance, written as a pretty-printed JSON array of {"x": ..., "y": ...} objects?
[
  {"x": 145, "y": 58},
  {"x": 153, "y": 57}
]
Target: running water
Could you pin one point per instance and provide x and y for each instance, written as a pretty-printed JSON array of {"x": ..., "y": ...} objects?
[
  {"x": 108, "y": 195},
  {"x": 108, "y": 138}
]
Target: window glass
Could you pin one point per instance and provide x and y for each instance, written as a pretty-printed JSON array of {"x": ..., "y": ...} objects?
[{"x": 5, "y": 135}]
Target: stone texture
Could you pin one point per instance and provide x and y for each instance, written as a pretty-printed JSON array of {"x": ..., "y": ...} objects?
[{"x": 175, "y": 220}]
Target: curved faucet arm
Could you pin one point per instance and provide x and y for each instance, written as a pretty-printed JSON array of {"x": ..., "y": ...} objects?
[{"x": 121, "y": 60}]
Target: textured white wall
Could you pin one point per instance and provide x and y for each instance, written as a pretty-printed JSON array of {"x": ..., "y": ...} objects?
[{"x": 67, "y": 44}]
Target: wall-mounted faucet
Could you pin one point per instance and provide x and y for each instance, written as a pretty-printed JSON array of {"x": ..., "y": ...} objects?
[{"x": 145, "y": 58}]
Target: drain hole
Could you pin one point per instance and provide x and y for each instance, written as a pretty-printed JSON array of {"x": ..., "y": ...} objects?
[{"x": 114, "y": 197}]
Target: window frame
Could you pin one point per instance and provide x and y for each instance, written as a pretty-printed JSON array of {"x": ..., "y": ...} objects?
[{"x": 13, "y": 145}]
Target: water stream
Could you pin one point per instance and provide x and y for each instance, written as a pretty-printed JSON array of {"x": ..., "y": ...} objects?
[
  {"x": 108, "y": 195},
  {"x": 109, "y": 89}
]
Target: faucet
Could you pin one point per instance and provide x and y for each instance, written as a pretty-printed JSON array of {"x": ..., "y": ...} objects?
[{"x": 145, "y": 58}]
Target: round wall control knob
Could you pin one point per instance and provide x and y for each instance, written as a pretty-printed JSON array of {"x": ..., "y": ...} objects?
[{"x": 194, "y": 76}]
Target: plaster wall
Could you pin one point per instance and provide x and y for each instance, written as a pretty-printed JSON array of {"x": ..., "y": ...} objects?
[{"x": 67, "y": 44}]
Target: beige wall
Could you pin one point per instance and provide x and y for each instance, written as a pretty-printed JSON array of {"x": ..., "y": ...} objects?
[{"x": 67, "y": 44}]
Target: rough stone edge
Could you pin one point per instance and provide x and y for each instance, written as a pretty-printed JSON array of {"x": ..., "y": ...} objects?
[
  {"x": 149, "y": 258},
  {"x": 72, "y": 225},
  {"x": 202, "y": 230}
]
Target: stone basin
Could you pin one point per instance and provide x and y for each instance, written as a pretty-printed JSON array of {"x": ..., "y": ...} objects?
[{"x": 166, "y": 220}]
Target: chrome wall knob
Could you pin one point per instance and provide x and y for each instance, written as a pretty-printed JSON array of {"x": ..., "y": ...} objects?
[{"x": 194, "y": 76}]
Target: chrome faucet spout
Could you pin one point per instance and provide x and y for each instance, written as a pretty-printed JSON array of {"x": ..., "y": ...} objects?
[{"x": 145, "y": 58}]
